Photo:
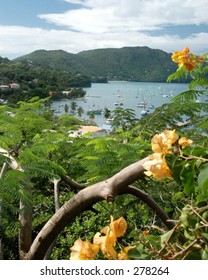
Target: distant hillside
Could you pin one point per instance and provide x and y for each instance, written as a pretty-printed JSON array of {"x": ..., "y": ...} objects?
[
  {"x": 39, "y": 74},
  {"x": 34, "y": 80},
  {"x": 128, "y": 63},
  {"x": 4, "y": 60}
]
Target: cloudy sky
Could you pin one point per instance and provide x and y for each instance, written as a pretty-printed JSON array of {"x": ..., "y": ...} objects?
[{"x": 77, "y": 25}]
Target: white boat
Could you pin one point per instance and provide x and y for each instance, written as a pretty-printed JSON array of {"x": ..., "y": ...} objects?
[
  {"x": 142, "y": 104},
  {"x": 118, "y": 104},
  {"x": 144, "y": 113},
  {"x": 109, "y": 121}
]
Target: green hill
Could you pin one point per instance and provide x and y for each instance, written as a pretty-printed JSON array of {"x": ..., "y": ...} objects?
[
  {"x": 128, "y": 63},
  {"x": 42, "y": 74},
  {"x": 37, "y": 80}
]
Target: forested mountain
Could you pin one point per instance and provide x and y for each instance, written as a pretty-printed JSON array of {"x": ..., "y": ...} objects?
[
  {"x": 128, "y": 63},
  {"x": 23, "y": 73}
]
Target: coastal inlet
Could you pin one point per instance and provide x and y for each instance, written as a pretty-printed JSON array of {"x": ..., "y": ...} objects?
[{"x": 140, "y": 96}]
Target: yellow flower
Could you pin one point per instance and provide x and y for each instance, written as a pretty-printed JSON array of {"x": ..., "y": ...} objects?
[
  {"x": 107, "y": 242},
  {"x": 157, "y": 167},
  {"x": 184, "y": 142},
  {"x": 185, "y": 58},
  {"x": 161, "y": 143},
  {"x": 119, "y": 226},
  {"x": 83, "y": 250}
]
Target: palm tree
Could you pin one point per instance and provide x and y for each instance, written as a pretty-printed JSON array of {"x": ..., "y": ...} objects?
[
  {"x": 80, "y": 111},
  {"x": 107, "y": 113},
  {"x": 92, "y": 116},
  {"x": 73, "y": 106},
  {"x": 66, "y": 108}
]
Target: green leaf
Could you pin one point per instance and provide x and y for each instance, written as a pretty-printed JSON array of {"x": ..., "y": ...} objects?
[
  {"x": 199, "y": 82},
  {"x": 138, "y": 253},
  {"x": 175, "y": 164},
  {"x": 178, "y": 75},
  {"x": 100, "y": 144},
  {"x": 166, "y": 237},
  {"x": 187, "y": 176},
  {"x": 199, "y": 151},
  {"x": 205, "y": 253},
  {"x": 202, "y": 200},
  {"x": 188, "y": 235},
  {"x": 187, "y": 96},
  {"x": 205, "y": 235},
  {"x": 203, "y": 179},
  {"x": 178, "y": 196}
]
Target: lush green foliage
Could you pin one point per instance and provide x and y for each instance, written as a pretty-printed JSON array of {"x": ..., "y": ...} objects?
[
  {"x": 189, "y": 168},
  {"x": 38, "y": 81},
  {"x": 39, "y": 142}
]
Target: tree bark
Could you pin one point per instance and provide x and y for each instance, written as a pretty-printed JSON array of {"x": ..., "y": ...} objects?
[
  {"x": 57, "y": 207},
  {"x": 107, "y": 189},
  {"x": 71, "y": 183},
  {"x": 3, "y": 171},
  {"x": 25, "y": 213},
  {"x": 25, "y": 224}
]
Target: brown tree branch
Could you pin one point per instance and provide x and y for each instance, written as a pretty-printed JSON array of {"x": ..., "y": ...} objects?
[
  {"x": 145, "y": 197},
  {"x": 2, "y": 173},
  {"x": 57, "y": 207},
  {"x": 107, "y": 189},
  {"x": 71, "y": 183},
  {"x": 25, "y": 224}
]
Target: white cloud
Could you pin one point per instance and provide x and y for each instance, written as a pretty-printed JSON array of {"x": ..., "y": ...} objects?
[
  {"x": 16, "y": 41},
  {"x": 110, "y": 23},
  {"x": 108, "y": 15}
]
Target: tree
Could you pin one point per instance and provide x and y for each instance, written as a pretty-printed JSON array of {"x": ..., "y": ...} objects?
[
  {"x": 80, "y": 111},
  {"x": 107, "y": 113},
  {"x": 92, "y": 116},
  {"x": 73, "y": 106},
  {"x": 20, "y": 127},
  {"x": 124, "y": 118},
  {"x": 103, "y": 190},
  {"x": 66, "y": 108}
]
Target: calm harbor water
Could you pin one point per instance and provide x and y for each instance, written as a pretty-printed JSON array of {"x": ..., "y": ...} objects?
[{"x": 129, "y": 94}]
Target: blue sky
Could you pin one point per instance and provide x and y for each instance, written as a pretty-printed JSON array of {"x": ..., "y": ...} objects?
[{"x": 77, "y": 25}]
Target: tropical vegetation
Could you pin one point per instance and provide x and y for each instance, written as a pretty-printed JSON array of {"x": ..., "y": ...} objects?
[
  {"x": 141, "y": 193},
  {"x": 38, "y": 81}
]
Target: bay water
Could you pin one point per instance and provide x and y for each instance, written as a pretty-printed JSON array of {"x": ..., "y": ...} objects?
[{"x": 129, "y": 94}]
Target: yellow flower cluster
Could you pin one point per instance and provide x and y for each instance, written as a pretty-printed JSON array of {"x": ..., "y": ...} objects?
[
  {"x": 185, "y": 58},
  {"x": 83, "y": 250},
  {"x": 104, "y": 241},
  {"x": 157, "y": 167},
  {"x": 184, "y": 142},
  {"x": 162, "y": 145}
]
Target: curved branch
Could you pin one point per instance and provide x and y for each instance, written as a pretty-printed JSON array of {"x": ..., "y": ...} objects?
[
  {"x": 82, "y": 200},
  {"x": 71, "y": 183},
  {"x": 145, "y": 197}
]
